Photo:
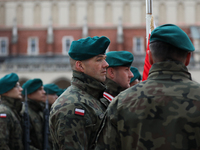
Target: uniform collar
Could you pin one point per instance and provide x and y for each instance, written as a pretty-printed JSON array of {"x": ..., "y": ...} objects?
[
  {"x": 112, "y": 87},
  {"x": 88, "y": 84},
  {"x": 170, "y": 69},
  {"x": 14, "y": 104}
]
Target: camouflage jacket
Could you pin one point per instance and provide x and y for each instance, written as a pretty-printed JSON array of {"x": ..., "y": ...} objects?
[
  {"x": 162, "y": 112},
  {"x": 112, "y": 90},
  {"x": 35, "y": 110},
  {"x": 76, "y": 115},
  {"x": 11, "y": 133}
]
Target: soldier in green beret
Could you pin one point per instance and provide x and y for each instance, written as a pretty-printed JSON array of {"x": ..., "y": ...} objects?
[
  {"x": 36, "y": 99},
  {"x": 11, "y": 131},
  {"x": 76, "y": 115},
  {"x": 51, "y": 92},
  {"x": 136, "y": 76},
  {"x": 118, "y": 74},
  {"x": 162, "y": 112}
]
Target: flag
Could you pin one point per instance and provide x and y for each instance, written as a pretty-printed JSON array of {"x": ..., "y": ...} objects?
[
  {"x": 147, "y": 65},
  {"x": 2, "y": 115},
  {"x": 80, "y": 112}
]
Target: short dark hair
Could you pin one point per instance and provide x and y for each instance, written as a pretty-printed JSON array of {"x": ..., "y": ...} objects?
[{"x": 162, "y": 51}]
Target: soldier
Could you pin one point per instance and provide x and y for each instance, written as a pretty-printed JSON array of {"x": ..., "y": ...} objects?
[
  {"x": 118, "y": 74},
  {"x": 36, "y": 99},
  {"x": 51, "y": 92},
  {"x": 11, "y": 132},
  {"x": 76, "y": 115},
  {"x": 136, "y": 76},
  {"x": 162, "y": 112}
]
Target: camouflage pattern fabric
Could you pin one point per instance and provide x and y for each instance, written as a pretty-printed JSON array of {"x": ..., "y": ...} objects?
[
  {"x": 35, "y": 110},
  {"x": 113, "y": 89},
  {"x": 70, "y": 129},
  {"x": 11, "y": 133},
  {"x": 161, "y": 113}
]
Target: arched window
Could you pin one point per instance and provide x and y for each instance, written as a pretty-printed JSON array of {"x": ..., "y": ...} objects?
[
  {"x": 198, "y": 13},
  {"x": 55, "y": 14},
  {"x": 108, "y": 13},
  {"x": 72, "y": 14},
  {"x": 2, "y": 14},
  {"x": 143, "y": 13},
  {"x": 37, "y": 14},
  {"x": 90, "y": 13},
  {"x": 162, "y": 14},
  {"x": 126, "y": 13},
  {"x": 180, "y": 13},
  {"x": 19, "y": 14}
]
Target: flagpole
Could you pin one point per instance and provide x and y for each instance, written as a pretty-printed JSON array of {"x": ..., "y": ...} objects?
[{"x": 148, "y": 18}]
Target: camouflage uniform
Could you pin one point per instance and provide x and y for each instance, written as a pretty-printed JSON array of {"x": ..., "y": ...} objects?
[
  {"x": 35, "y": 110},
  {"x": 160, "y": 113},
  {"x": 74, "y": 131},
  {"x": 11, "y": 133},
  {"x": 112, "y": 89}
]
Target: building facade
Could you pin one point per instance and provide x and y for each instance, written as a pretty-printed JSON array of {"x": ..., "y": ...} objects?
[{"x": 35, "y": 35}]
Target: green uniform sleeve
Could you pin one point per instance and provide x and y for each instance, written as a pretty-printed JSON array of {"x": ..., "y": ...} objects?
[
  {"x": 108, "y": 138},
  {"x": 69, "y": 130},
  {"x": 5, "y": 123}
]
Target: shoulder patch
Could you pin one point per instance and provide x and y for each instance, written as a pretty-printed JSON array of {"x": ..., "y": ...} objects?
[
  {"x": 80, "y": 112},
  {"x": 108, "y": 96},
  {"x": 2, "y": 115}
]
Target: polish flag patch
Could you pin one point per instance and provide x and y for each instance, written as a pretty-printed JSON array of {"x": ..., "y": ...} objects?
[
  {"x": 108, "y": 96},
  {"x": 80, "y": 112},
  {"x": 2, "y": 115}
]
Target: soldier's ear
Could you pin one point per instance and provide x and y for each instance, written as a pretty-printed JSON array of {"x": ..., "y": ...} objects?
[
  {"x": 79, "y": 66},
  {"x": 187, "y": 61},
  {"x": 110, "y": 72},
  {"x": 150, "y": 57}
]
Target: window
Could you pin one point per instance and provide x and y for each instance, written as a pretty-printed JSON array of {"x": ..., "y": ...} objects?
[
  {"x": 138, "y": 45},
  {"x": 3, "y": 46},
  {"x": 33, "y": 46},
  {"x": 66, "y": 42}
]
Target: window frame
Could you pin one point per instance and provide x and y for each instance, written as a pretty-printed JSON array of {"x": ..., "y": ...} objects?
[
  {"x": 71, "y": 38},
  {"x": 141, "y": 51},
  {"x": 36, "y": 47},
  {"x": 7, "y": 46}
]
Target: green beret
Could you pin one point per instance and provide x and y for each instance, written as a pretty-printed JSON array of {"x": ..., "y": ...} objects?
[
  {"x": 8, "y": 82},
  {"x": 119, "y": 58},
  {"x": 89, "y": 47},
  {"x": 136, "y": 74},
  {"x": 172, "y": 34},
  {"x": 51, "y": 88},
  {"x": 31, "y": 85},
  {"x": 60, "y": 91}
]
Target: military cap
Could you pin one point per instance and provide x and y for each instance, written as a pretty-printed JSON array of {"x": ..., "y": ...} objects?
[
  {"x": 51, "y": 88},
  {"x": 119, "y": 58},
  {"x": 60, "y": 91},
  {"x": 31, "y": 85},
  {"x": 8, "y": 82},
  {"x": 86, "y": 48},
  {"x": 172, "y": 34},
  {"x": 136, "y": 74}
]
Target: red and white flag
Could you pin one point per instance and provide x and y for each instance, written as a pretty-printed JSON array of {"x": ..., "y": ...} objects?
[
  {"x": 80, "y": 112},
  {"x": 2, "y": 115},
  {"x": 108, "y": 96},
  {"x": 147, "y": 65}
]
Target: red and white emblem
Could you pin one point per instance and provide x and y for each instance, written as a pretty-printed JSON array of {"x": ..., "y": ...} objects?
[
  {"x": 108, "y": 96},
  {"x": 2, "y": 115},
  {"x": 80, "y": 112}
]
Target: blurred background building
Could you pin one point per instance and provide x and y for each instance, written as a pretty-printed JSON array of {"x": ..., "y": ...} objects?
[{"x": 35, "y": 35}]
